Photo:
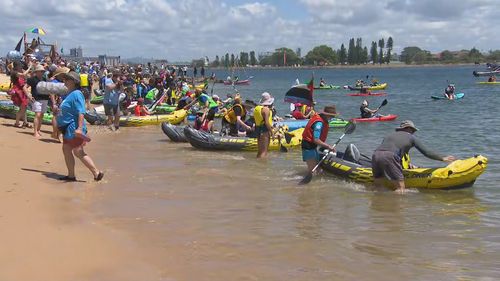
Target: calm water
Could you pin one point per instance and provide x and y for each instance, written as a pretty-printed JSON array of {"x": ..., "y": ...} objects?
[{"x": 226, "y": 216}]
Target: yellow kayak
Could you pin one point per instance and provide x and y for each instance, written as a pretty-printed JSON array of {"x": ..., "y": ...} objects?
[
  {"x": 207, "y": 141},
  {"x": 369, "y": 88},
  {"x": 489, "y": 83},
  {"x": 458, "y": 174},
  {"x": 134, "y": 121},
  {"x": 4, "y": 87}
]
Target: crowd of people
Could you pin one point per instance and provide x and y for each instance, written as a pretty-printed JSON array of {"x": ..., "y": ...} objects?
[{"x": 138, "y": 90}]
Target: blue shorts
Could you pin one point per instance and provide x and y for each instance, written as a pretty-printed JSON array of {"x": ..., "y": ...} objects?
[{"x": 308, "y": 154}]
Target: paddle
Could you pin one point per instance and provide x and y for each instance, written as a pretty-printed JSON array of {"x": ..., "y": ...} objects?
[
  {"x": 383, "y": 104},
  {"x": 348, "y": 130}
]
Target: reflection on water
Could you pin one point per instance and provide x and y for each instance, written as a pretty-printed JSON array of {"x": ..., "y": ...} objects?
[{"x": 226, "y": 216}]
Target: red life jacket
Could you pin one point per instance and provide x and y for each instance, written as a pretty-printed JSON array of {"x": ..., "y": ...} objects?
[{"x": 307, "y": 135}]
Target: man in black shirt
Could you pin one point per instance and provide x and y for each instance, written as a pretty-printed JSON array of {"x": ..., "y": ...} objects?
[{"x": 40, "y": 102}]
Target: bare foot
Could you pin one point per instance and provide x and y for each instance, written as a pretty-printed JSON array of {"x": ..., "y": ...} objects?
[{"x": 37, "y": 135}]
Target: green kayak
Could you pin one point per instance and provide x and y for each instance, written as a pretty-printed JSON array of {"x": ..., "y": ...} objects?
[
  {"x": 165, "y": 109},
  {"x": 97, "y": 100},
  {"x": 10, "y": 110},
  {"x": 327, "y": 87}
]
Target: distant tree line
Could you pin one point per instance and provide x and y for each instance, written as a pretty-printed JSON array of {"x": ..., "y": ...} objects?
[
  {"x": 380, "y": 52},
  {"x": 415, "y": 55}
]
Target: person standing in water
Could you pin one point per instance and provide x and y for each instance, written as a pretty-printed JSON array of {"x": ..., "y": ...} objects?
[
  {"x": 387, "y": 160},
  {"x": 263, "y": 116}
]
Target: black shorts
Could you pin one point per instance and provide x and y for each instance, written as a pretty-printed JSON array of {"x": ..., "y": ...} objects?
[
  {"x": 387, "y": 164},
  {"x": 110, "y": 110}
]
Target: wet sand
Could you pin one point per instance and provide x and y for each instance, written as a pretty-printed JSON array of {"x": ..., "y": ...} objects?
[{"x": 47, "y": 231}]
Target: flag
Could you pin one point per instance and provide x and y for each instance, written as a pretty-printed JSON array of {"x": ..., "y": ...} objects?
[
  {"x": 18, "y": 46},
  {"x": 299, "y": 94},
  {"x": 62, "y": 50},
  {"x": 310, "y": 85}
]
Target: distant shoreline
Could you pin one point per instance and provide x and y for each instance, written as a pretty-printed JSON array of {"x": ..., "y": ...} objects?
[{"x": 371, "y": 66}]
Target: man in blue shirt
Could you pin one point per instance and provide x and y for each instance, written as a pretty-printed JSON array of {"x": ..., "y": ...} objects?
[{"x": 112, "y": 86}]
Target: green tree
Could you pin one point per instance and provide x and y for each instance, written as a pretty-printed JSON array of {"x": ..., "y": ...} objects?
[
  {"x": 279, "y": 54},
  {"x": 422, "y": 57},
  {"x": 409, "y": 53},
  {"x": 390, "y": 45},
  {"x": 475, "y": 55},
  {"x": 216, "y": 62},
  {"x": 322, "y": 55},
  {"x": 253, "y": 60},
  {"x": 364, "y": 55},
  {"x": 342, "y": 54},
  {"x": 350, "y": 52},
  {"x": 244, "y": 58},
  {"x": 446, "y": 56},
  {"x": 381, "y": 46},
  {"x": 226, "y": 60},
  {"x": 493, "y": 55},
  {"x": 358, "y": 51},
  {"x": 373, "y": 52},
  {"x": 232, "y": 63}
]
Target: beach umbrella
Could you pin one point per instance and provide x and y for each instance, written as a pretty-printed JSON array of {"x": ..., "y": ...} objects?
[
  {"x": 37, "y": 30},
  {"x": 299, "y": 94}
]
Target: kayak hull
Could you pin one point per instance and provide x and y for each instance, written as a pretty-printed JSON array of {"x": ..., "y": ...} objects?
[
  {"x": 9, "y": 110},
  {"x": 327, "y": 87},
  {"x": 369, "y": 88},
  {"x": 488, "y": 83},
  {"x": 458, "y": 174},
  {"x": 457, "y": 97},
  {"x": 297, "y": 124},
  {"x": 206, "y": 141},
  {"x": 174, "y": 133},
  {"x": 135, "y": 121},
  {"x": 389, "y": 117},
  {"x": 486, "y": 73},
  {"x": 240, "y": 82},
  {"x": 367, "y": 94}
]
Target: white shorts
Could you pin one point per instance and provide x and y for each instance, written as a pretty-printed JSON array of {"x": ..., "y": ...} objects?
[{"x": 40, "y": 106}]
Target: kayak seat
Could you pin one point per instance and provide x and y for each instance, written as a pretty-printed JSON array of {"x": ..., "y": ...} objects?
[{"x": 352, "y": 154}]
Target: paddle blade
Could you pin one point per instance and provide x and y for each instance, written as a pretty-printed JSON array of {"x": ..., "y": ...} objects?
[
  {"x": 384, "y": 103},
  {"x": 351, "y": 126},
  {"x": 307, "y": 179}
]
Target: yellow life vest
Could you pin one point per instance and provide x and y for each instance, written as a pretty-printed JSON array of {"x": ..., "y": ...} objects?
[
  {"x": 84, "y": 80},
  {"x": 405, "y": 161},
  {"x": 259, "y": 119},
  {"x": 231, "y": 115}
]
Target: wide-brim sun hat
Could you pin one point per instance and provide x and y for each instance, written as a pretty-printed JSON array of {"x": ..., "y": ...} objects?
[
  {"x": 266, "y": 99},
  {"x": 406, "y": 124},
  {"x": 73, "y": 76},
  {"x": 60, "y": 70},
  {"x": 39, "y": 67},
  {"x": 329, "y": 110}
]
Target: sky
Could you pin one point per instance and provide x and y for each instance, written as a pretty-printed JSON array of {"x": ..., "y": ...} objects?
[{"x": 184, "y": 30}]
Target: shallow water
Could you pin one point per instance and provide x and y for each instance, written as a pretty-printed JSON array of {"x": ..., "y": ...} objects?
[{"x": 227, "y": 216}]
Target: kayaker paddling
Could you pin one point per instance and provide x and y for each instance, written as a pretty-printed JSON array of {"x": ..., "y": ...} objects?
[
  {"x": 449, "y": 92},
  {"x": 387, "y": 160},
  {"x": 315, "y": 134},
  {"x": 367, "y": 112}
]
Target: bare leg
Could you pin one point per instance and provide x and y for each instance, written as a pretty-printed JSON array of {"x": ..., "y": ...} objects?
[
  {"x": 311, "y": 163},
  {"x": 37, "y": 124},
  {"x": 69, "y": 159},
  {"x": 86, "y": 160},
  {"x": 117, "y": 118},
  {"x": 264, "y": 140},
  {"x": 18, "y": 116}
]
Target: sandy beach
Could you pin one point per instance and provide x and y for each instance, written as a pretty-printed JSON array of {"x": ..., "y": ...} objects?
[{"x": 47, "y": 232}]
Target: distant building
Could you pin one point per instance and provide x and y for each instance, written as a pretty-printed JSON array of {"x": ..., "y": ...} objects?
[
  {"x": 109, "y": 60},
  {"x": 299, "y": 52},
  {"x": 76, "y": 52}
]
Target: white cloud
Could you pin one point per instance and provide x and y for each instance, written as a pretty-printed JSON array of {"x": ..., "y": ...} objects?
[{"x": 192, "y": 28}]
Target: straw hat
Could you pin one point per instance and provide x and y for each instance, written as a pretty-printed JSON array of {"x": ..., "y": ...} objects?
[
  {"x": 406, "y": 124},
  {"x": 60, "y": 70},
  {"x": 329, "y": 110},
  {"x": 266, "y": 99},
  {"x": 73, "y": 76},
  {"x": 39, "y": 67}
]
